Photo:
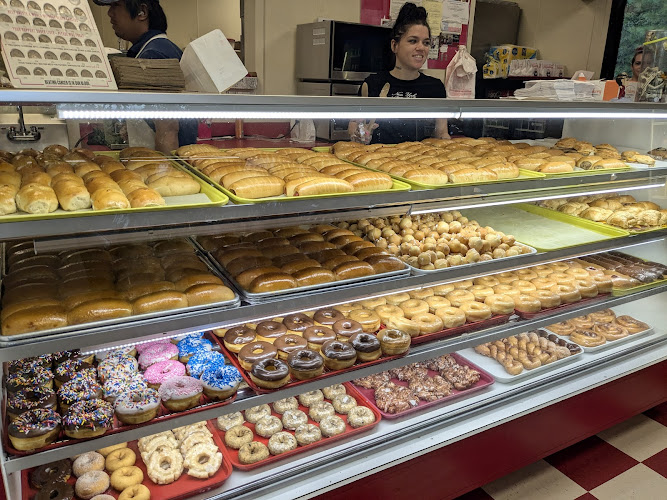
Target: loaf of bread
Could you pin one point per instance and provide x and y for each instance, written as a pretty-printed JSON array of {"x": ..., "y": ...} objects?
[
  {"x": 160, "y": 301},
  {"x": 145, "y": 197},
  {"x": 36, "y": 199},
  {"x": 175, "y": 186},
  {"x": 109, "y": 199},
  {"x": 258, "y": 187},
  {"x": 7, "y": 199},
  {"x": 34, "y": 319},
  {"x": 72, "y": 195},
  {"x": 99, "y": 310}
]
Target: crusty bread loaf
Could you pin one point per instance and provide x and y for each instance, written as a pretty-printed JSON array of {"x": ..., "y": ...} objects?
[
  {"x": 160, "y": 301},
  {"x": 552, "y": 167},
  {"x": 34, "y": 319},
  {"x": 128, "y": 186},
  {"x": 72, "y": 195},
  {"x": 175, "y": 186},
  {"x": 112, "y": 166},
  {"x": 58, "y": 167},
  {"x": 146, "y": 289},
  {"x": 98, "y": 310},
  {"x": 10, "y": 179},
  {"x": 145, "y": 197},
  {"x": 36, "y": 199},
  {"x": 208, "y": 293},
  {"x": 7, "y": 200},
  {"x": 106, "y": 199},
  {"x": 82, "y": 168}
]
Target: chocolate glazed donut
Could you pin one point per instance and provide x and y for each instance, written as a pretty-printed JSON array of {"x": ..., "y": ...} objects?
[
  {"x": 239, "y": 335},
  {"x": 297, "y": 322},
  {"x": 328, "y": 316},
  {"x": 367, "y": 346},
  {"x": 305, "y": 364},
  {"x": 270, "y": 330},
  {"x": 56, "y": 472},
  {"x": 270, "y": 373},
  {"x": 55, "y": 491},
  {"x": 338, "y": 355},
  {"x": 345, "y": 328}
]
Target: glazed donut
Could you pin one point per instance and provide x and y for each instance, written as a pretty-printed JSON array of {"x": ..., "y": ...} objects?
[
  {"x": 421, "y": 294},
  {"x": 527, "y": 304},
  {"x": 369, "y": 320},
  {"x": 578, "y": 273},
  {"x": 269, "y": 331},
  {"x": 373, "y": 303},
  {"x": 254, "y": 414},
  {"x": 203, "y": 460},
  {"x": 587, "y": 338},
  {"x": 405, "y": 325},
  {"x": 282, "y": 442},
  {"x": 367, "y": 346},
  {"x": 305, "y": 364},
  {"x": 462, "y": 285},
  {"x": 604, "y": 316},
  {"x": 397, "y": 298},
  {"x": 125, "y": 477},
  {"x": 559, "y": 267},
  {"x": 451, "y": 316},
  {"x": 562, "y": 278},
  {"x": 270, "y": 373},
  {"x": 486, "y": 281},
  {"x": 523, "y": 286},
  {"x": 428, "y": 323},
  {"x": 587, "y": 287},
  {"x": 500, "y": 304},
  {"x": 567, "y": 293},
  {"x": 547, "y": 298},
  {"x": 282, "y": 405},
  {"x": 436, "y": 302},
  {"x": 360, "y": 416},
  {"x": 393, "y": 342},
  {"x": 87, "y": 462},
  {"x": 582, "y": 322},
  {"x": 136, "y": 492},
  {"x": 564, "y": 328},
  {"x": 297, "y": 323},
  {"x": 507, "y": 290},
  {"x": 631, "y": 324},
  {"x": 543, "y": 283},
  {"x": 268, "y": 426},
  {"x": 117, "y": 459},
  {"x": 476, "y": 311},
  {"x": 226, "y": 422},
  {"x": 526, "y": 274},
  {"x": 507, "y": 277},
  {"x": 315, "y": 336},
  {"x": 165, "y": 466},
  {"x": 413, "y": 307},
  {"x": 307, "y": 434},
  {"x": 237, "y": 436},
  {"x": 338, "y": 355},
  {"x": 610, "y": 331},
  {"x": 327, "y": 316},
  {"x": 481, "y": 292},
  {"x": 294, "y": 418},
  {"x": 254, "y": 352},
  {"x": 253, "y": 452},
  {"x": 542, "y": 270},
  {"x": 603, "y": 283},
  {"x": 389, "y": 311},
  {"x": 332, "y": 426},
  {"x": 343, "y": 403},
  {"x": 91, "y": 483},
  {"x": 320, "y": 410},
  {"x": 459, "y": 297},
  {"x": 346, "y": 308},
  {"x": 443, "y": 290}
]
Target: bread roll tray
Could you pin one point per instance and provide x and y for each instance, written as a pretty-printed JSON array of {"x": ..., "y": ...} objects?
[
  {"x": 184, "y": 487},
  {"x": 163, "y": 415},
  {"x": 607, "y": 344},
  {"x": 228, "y": 304},
  {"x": 396, "y": 186},
  {"x": 563, "y": 307},
  {"x": 232, "y": 455},
  {"x": 465, "y": 328},
  {"x": 415, "y": 271},
  {"x": 207, "y": 197},
  {"x": 523, "y": 176},
  {"x": 484, "y": 381},
  {"x": 619, "y": 292},
  {"x": 263, "y": 297},
  {"x": 496, "y": 370},
  {"x": 577, "y": 172},
  {"x": 294, "y": 383},
  {"x": 542, "y": 229}
]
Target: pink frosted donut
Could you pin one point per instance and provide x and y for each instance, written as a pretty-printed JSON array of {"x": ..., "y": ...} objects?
[
  {"x": 180, "y": 393},
  {"x": 157, "y": 353},
  {"x": 158, "y": 373},
  {"x": 143, "y": 347}
]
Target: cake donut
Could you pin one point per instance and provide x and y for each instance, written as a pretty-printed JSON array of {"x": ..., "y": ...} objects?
[
  {"x": 282, "y": 405},
  {"x": 332, "y": 426},
  {"x": 270, "y": 373},
  {"x": 288, "y": 343},
  {"x": 307, "y": 434},
  {"x": 281, "y": 442},
  {"x": 91, "y": 483},
  {"x": 269, "y": 331},
  {"x": 253, "y": 452},
  {"x": 327, "y": 316},
  {"x": 268, "y": 426},
  {"x": 162, "y": 351},
  {"x": 226, "y": 422},
  {"x": 305, "y": 364},
  {"x": 254, "y": 414},
  {"x": 88, "y": 419},
  {"x": 360, "y": 416},
  {"x": 34, "y": 429},
  {"x": 292, "y": 419},
  {"x": 30, "y": 399},
  {"x": 297, "y": 323},
  {"x": 368, "y": 346},
  {"x": 191, "y": 345},
  {"x": 238, "y": 337}
]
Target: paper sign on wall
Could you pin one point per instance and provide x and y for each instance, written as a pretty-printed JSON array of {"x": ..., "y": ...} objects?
[
  {"x": 54, "y": 45},
  {"x": 434, "y": 11},
  {"x": 456, "y": 11}
]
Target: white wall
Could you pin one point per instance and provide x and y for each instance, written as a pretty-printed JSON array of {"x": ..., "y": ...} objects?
[{"x": 571, "y": 32}]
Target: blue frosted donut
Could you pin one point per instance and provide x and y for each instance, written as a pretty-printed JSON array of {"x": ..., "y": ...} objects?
[
  {"x": 224, "y": 378},
  {"x": 191, "y": 345},
  {"x": 199, "y": 361}
]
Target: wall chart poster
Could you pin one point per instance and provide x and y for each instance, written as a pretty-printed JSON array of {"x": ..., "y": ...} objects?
[{"x": 53, "y": 44}]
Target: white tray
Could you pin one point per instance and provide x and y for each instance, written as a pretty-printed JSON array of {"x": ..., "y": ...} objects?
[{"x": 607, "y": 344}]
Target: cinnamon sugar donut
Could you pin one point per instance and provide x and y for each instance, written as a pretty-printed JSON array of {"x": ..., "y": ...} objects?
[
  {"x": 428, "y": 323},
  {"x": 567, "y": 293},
  {"x": 460, "y": 297},
  {"x": 476, "y": 311},
  {"x": 451, "y": 316},
  {"x": 413, "y": 307}
]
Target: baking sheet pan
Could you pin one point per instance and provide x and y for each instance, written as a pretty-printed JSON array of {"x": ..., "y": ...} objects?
[{"x": 607, "y": 344}]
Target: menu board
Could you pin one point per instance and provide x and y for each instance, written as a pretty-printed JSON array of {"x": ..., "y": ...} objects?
[{"x": 53, "y": 44}]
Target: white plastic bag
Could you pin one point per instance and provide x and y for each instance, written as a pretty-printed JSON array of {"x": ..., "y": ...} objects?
[{"x": 460, "y": 77}]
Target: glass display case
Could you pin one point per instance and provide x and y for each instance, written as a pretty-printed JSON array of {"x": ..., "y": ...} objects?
[{"x": 579, "y": 221}]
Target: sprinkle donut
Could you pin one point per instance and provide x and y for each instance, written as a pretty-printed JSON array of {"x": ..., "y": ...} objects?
[
  {"x": 157, "y": 353},
  {"x": 162, "y": 371},
  {"x": 201, "y": 360}
]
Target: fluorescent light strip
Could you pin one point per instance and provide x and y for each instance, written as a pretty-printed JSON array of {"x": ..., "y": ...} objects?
[
  {"x": 539, "y": 198},
  {"x": 564, "y": 114},
  {"x": 71, "y": 114}
]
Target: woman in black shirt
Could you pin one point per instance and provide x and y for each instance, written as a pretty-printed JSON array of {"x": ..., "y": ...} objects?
[{"x": 411, "y": 40}]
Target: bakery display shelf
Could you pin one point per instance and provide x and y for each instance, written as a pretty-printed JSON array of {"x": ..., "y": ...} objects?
[
  {"x": 619, "y": 292},
  {"x": 417, "y": 353},
  {"x": 501, "y": 375},
  {"x": 184, "y": 487},
  {"x": 484, "y": 381},
  {"x": 578, "y": 172},
  {"x": 572, "y": 306},
  {"x": 394, "y": 442},
  {"x": 175, "y": 324},
  {"x": 397, "y": 186},
  {"x": 232, "y": 454},
  {"x": 500, "y": 319},
  {"x": 192, "y": 221},
  {"x": 543, "y": 229}
]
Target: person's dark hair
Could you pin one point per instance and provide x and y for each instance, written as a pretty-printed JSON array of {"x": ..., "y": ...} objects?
[
  {"x": 157, "y": 20},
  {"x": 409, "y": 15},
  {"x": 638, "y": 50}
]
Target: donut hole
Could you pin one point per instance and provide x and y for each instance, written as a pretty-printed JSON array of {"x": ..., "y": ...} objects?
[
  {"x": 257, "y": 351},
  {"x": 203, "y": 459},
  {"x": 165, "y": 465}
]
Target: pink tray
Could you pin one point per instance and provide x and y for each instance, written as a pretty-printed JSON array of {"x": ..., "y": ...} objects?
[
  {"x": 233, "y": 456},
  {"x": 563, "y": 307},
  {"x": 484, "y": 381},
  {"x": 468, "y": 327},
  {"x": 184, "y": 487}
]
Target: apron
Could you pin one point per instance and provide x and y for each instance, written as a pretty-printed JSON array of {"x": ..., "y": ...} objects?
[{"x": 139, "y": 134}]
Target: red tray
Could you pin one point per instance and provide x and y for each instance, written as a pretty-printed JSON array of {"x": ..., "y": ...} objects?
[
  {"x": 563, "y": 307},
  {"x": 468, "y": 327},
  {"x": 184, "y": 487},
  {"x": 233, "y": 456},
  {"x": 484, "y": 381},
  {"x": 326, "y": 374}
]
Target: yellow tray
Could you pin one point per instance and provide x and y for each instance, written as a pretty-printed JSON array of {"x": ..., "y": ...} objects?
[
  {"x": 322, "y": 149},
  {"x": 577, "y": 173},
  {"x": 215, "y": 198},
  {"x": 523, "y": 175},
  {"x": 617, "y": 292},
  {"x": 396, "y": 186}
]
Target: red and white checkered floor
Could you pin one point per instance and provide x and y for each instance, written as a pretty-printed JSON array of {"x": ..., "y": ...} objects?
[{"x": 626, "y": 462}]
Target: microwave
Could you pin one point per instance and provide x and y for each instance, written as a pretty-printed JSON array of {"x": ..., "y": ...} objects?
[{"x": 336, "y": 51}]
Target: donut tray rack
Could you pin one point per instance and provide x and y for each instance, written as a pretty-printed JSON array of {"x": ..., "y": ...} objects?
[{"x": 608, "y": 343}]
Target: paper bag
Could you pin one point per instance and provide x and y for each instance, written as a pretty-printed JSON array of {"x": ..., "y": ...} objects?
[
  {"x": 460, "y": 77},
  {"x": 210, "y": 64}
]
